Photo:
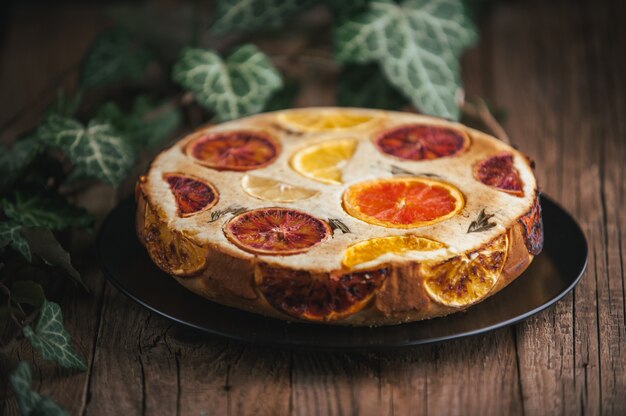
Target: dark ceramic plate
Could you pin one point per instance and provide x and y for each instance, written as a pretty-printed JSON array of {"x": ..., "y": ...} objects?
[{"x": 551, "y": 275}]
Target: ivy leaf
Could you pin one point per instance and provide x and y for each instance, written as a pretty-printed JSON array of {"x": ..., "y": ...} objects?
[
  {"x": 30, "y": 402},
  {"x": 51, "y": 339},
  {"x": 43, "y": 243},
  {"x": 29, "y": 292},
  {"x": 148, "y": 123},
  {"x": 417, "y": 43},
  {"x": 14, "y": 162},
  {"x": 45, "y": 210},
  {"x": 250, "y": 15},
  {"x": 11, "y": 234},
  {"x": 114, "y": 56},
  {"x": 283, "y": 98},
  {"x": 239, "y": 86},
  {"x": 65, "y": 105},
  {"x": 365, "y": 86},
  {"x": 96, "y": 150}
]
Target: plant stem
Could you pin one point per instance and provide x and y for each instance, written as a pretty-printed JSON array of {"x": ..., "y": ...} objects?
[{"x": 480, "y": 110}]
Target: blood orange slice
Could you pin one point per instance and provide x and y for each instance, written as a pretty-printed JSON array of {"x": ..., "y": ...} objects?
[
  {"x": 192, "y": 195},
  {"x": 269, "y": 189},
  {"x": 467, "y": 278},
  {"x": 371, "y": 249},
  {"x": 321, "y": 120},
  {"x": 276, "y": 231},
  {"x": 234, "y": 150},
  {"x": 403, "y": 202},
  {"x": 422, "y": 142},
  {"x": 498, "y": 172},
  {"x": 319, "y": 298},
  {"x": 533, "y": 228}
]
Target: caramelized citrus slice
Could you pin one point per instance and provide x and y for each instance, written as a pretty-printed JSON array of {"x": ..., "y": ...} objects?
[
  {"x": 373, "y": 248},
  {"x": 170, "y": 250},
  {"x": 324, "y": 120},
  {"x": 532, "y": 228},
  {"x": 278, "y": 231},
  {"x": 402, "y": 202},
  {"x": 192, "y": 195},
  {"x": 467, "y": 278},
  {"x": 498, "y": 172},
  {"x": 234, "y": 150},
  {"x": 319, "y": 298},
  {"x": 325, "y": 161},
  {"x": 422, "y": 142},
  {"x": 272, "y": 190}
]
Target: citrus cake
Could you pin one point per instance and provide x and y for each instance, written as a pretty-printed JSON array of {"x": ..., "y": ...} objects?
[{"x": 341, "y": 215}]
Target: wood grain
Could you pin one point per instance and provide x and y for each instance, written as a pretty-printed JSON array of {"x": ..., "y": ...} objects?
[{"x": 558, "y": 70}]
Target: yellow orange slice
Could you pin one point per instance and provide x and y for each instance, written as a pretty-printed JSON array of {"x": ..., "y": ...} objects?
[
  {"x": 269, "y": 189},
  {"x": 467, "y": 278},
  {"x": 403, "y": 202},
  {"x": 324, "y": 161},
  {"x": 373, "y": 248},
  {"x": 321, "y": 120}
]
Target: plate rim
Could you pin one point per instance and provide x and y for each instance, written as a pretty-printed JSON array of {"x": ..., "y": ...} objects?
[{"x": 295, "y": 344}]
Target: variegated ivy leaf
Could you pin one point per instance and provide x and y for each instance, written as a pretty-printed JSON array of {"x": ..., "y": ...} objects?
[
  {"x": 146, "y": 125},
  {"x": 30, "y": 402},
  {"x": 14, "y": 162},
  {"x": 236, "y": 87},
  {"x": 96, "y": 150},
  {"x": 44, "y": 210},
  {"x": 417, "y": 43},
  {"x": 114, "y": 56},
  {"x": 249, "y": 15},
  {"x": 365, "y": 86},
  {"x": 51, "y": 339},
  {"x": 11, "y": 235}
]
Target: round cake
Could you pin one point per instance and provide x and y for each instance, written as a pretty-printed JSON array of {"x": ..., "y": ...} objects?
[{"x": 341, "y": 216}]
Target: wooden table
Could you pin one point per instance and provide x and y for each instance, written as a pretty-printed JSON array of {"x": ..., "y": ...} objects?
[{"x": 558, "y": 68}]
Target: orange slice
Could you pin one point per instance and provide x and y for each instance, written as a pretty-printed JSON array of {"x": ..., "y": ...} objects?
[
  {"x": 319, "y": 298},
  {"x": 324, "y": 120},
  {"x": 272, "y": 190},
  {"x": 498, "y": 172},
  {"x": 467, "y": 278},
  {"x": 324, "y": 161},
  {"x": 373, "y": 248},
  {"x": 422, "y": 142},
  {"x": 234, "y": 150},
  {"x": 403, "y": 202},
  {"x": 170, "y": 250},
  {"x": 192, "y": 195},
  {"x": 276, "y": 231}
]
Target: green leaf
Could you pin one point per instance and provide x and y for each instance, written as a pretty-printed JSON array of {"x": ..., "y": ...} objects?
[
  {"x": 11, "y": 234},
  {"x": 14, "y": 162},
  {"x": 45, "y": 210},
  {"x": 114, "y": 56},
  {"x": 29, "y": 292},
  {"x": 65, "y": 105},
  {"x": 148, "y": 123},
  {"x": 417, "y": 43},
  {"x": 283, "y": 98},
  {"x": 43, "y": 243},
  {"x": 30, "y": 402},
  {"x": 237, "y": 87},
  {"x": 97, "y": 151},
  {"x": 365, "y": 86},
  {"x": 250, "y": 15},
  {"x": 51, "y": 339}
]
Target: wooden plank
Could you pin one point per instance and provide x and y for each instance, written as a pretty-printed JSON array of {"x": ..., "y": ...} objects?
[{"x": 565, "y": 352}]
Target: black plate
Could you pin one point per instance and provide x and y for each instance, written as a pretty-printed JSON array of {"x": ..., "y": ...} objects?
[{"x": 551, "y": 275}]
